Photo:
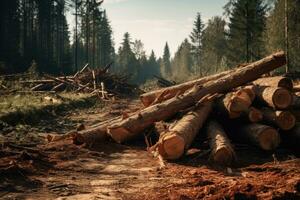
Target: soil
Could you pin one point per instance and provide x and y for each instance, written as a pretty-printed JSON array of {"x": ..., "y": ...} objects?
[{"x": 62, "y": 170}]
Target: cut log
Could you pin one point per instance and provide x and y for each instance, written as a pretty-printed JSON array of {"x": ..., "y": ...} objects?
[
  {"x": 291, "y": 139},
  {"x": 177, "y": 139},
  {"x": 296, "y": 101},
  {"x": 276, "y": 81},
  {"x": 161, "y": 95},
  {"x": 250, "y": 90},
  {"x": 277, "y": 98},
  {"x": 221, "y": 149},
  {"x": 266, "y": 137},
  {"x": 284, "y": 120},
  {"x": 253, "y": 115},
  {"x": 233, "y": 104},
  {"x": 135, "y": 124}
]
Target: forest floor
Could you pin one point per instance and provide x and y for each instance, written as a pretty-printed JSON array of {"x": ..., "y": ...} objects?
[{"x": 31, "y": 168}]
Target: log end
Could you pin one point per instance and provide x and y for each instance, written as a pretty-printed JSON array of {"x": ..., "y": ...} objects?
[
  {"x": 223, "y": 156},
  {"x": 255, "y": 115},
  {"x": 269, "y": 139},
  {"x": 286, "y": 120},
  {"x": 282, "y": 98},
  {"x": 118, "y": 134},
  {"x": 286, "y": 83},
  {"x": 171, "y": 147}
]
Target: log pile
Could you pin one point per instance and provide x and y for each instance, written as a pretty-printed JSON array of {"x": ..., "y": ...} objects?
[
  {"x": 95, "y": 81},
  {"x": 233, "y": 106}
]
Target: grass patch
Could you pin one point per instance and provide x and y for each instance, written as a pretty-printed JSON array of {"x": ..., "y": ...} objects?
[{"x": 30, "y": 109}]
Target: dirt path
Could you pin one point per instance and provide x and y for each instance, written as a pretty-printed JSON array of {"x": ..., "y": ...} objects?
[{"x": 62, "y": 170}]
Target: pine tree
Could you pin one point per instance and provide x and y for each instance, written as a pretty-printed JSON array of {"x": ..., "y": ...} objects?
[
  {"x": 275, "y": 34},
  {"x": 127, "y": 62},
  {"x": 196, "y": 38},
  {"x": 214, "y": 45},
  {"x": 246, "y": 26},
  {"x": 166, "y": 62},
  {"x": 183, "y": 62}
]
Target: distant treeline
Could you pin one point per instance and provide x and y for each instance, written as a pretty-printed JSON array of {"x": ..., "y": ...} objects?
[{"x": 34, "y": 31}]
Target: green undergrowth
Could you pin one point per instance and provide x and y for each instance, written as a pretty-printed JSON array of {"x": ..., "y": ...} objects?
[{"x": 30, "y": 109}]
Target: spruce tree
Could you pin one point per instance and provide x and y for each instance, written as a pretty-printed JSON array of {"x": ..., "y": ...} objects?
[
  {"x": 196, "y": 37},
  {"x": 166, "y": 63},
  {"x": 214, "y": 45},
  {"x": 245, "y": 35}
]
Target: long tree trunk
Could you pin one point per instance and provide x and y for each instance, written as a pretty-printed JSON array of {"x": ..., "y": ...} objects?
[
  {"x": 284, "y": 120},
  {"x": 277, "y": 81},
  {"x": 277, "y": 98},
  {"x": 179, "y": 137},
  {"x": 221, "y": 149},
  {"x": 161, "y": 95},
  {"x": 135, "y": 124}
]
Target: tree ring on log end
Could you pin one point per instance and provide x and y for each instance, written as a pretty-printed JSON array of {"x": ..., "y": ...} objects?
[
  {"x": 282, "y": 98},
  {"x": 172, "y": 147},
  {"x": 286, "y": 120},
  {"x": 269, "y": 139},
  {"x": 223, "y": 156}
]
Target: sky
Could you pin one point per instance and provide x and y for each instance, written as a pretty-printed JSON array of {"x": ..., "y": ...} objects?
[{"x": 156, "y": 22}]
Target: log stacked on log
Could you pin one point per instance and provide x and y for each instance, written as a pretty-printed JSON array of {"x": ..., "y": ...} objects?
[{"x": 241, "y": 96}]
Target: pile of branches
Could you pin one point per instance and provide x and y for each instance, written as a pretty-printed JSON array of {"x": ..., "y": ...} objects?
[
  {"x": 232, "y": 107},
  {"x": 95, "y": 81}
]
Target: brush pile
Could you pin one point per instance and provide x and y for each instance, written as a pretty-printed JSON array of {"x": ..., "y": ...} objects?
[
  {"x": 239, "y": 105},
  {"x": 95, "y": 81}
]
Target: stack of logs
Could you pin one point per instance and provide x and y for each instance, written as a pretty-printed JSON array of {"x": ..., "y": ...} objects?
[
  {"x": 238, "y": 105},
  {"x": 95, "y": 81}
]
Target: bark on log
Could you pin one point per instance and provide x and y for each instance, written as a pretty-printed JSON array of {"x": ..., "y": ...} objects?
[
  {"x": 221, "y": 149},
  {"x": 135, "y": 124},
  {"x": 173, "y": 143},
  {"x": 284, "y": 120},
  {"x": 276, "y": 81},
  {"x": 161, "y": 95},
  {"x": 233, "y": 104},
  {"x": 277, "y": 98},
  {"x": 266, "y": 137}
]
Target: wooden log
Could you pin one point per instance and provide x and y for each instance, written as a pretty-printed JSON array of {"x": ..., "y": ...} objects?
[
  {"x": 250, "y": 90},
  {"x": 291, "y": 139},
  {"x": 233, "y": 104},
  {"x": 296, "y": 101},
  {"x": 221, "y": 149},
  {"x": 135, "y": 124},
  {"x": 253, "y": 115},
  {"x": 266, "y": 137},
  {"x": 277, "y": 98},
  {"x": 57, "y": 87},
  {"x": 284, "y": 120},
  {"x": 161, "y": 95},
  {"x": 37, "y": 87},
  {"x": 174, "y": 142},
  {"x": 276, "y": 81}
]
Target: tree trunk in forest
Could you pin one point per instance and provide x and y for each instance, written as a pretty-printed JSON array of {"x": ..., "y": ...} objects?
[
  {"x": 174, "y": 142},
  {"x": 277, "y": 98},
  {"x": 263, "y": 136},
  {"x": 285, "y": 120},
  {"x": 135, "y": 124},
  {"x": 277, "y": 81},
  {"x": 221, "y": 149}
]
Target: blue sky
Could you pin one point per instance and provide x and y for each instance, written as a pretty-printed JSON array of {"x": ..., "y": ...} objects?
[{"x": 156, "y": 22}]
